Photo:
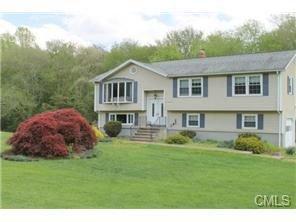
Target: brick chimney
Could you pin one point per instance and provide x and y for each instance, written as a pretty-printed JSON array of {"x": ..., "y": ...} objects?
[{"x": 202, "y": 53}]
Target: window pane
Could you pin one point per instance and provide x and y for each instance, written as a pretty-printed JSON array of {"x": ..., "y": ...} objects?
[
  {"x": 196, "y": 87},
  {"x": 115, "y": 92},
  {"x": 290, "y": 85},
  {"x": 153, "y": 109},
  {"x": 109, "y": 92},
  {"x": 250, "y": 121},
  {"x": 112, "y": 117},
  {"x": 121, "y": 91},
  {"x": 130, "y": 118},
  {"x": 184, "y": 88},
  {"x": 193, "y": 120},
  {"x": 129, "y": 91},
  {"x": 122, "y": 118},
  {"x": 254, "y": 85},
  {"x": 105, "y": 92},
  {"x": 240, "y": 85}
]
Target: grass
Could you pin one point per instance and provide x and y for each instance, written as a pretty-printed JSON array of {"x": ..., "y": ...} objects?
[{"x": 136, "y": 175}]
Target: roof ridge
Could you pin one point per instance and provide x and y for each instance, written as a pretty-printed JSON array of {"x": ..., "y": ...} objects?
[{"x": 212, "y": 57}]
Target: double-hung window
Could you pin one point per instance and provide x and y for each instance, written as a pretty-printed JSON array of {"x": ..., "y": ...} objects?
[
  {"x": 250, "y": 121},
  {"x": 190, "y": 87},
  {"x": 247, "y": 85},
  {"x": 121, "y": 92},
  {"x": 193, "y": 120},
  {"x": 124, "y": 118}
]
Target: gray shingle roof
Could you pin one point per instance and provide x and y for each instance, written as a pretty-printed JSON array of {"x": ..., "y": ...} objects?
[
  {"x": 246, "y": 63},
  {"x": 258, "y": 62}
]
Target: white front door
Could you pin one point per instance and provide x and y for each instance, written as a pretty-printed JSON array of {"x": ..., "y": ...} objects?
[
  {"x": 155, "y": 110},
  {"x": 289, "y": 133}
]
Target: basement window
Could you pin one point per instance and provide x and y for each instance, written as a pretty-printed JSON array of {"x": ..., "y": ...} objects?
[
  {"x": 193, "y": 120},
  {"x": 250, "y": 121},
  {"x": 124, "y": 118}
]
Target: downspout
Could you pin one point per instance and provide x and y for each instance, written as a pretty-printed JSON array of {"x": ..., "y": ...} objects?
[{"x": 279, "y": 103}]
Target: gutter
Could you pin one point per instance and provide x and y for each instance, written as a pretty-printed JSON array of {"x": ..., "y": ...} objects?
[{"x": 224, "y": 73}]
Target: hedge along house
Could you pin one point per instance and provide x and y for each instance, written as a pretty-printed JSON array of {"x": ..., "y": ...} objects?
[{"x": 218, "y": 97}]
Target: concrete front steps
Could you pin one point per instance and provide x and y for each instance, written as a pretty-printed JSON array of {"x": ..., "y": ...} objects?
[{"x": 146, "y": 134}]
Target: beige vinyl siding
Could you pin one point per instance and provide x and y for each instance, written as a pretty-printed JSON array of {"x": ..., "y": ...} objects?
[
  {"x": 217, "y": 98},
  {"x": 224, "y": 122},
  {"x": 289, "y": 101},
  {"x": 147, "y": 81}
]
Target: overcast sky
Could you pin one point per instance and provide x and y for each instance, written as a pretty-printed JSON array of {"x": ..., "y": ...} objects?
[{"x": 105, "y": 22}]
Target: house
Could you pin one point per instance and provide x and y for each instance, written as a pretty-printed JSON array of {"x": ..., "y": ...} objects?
[{"x": 218, "y": 97}]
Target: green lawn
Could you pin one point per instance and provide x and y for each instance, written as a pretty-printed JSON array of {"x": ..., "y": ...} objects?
[{"x": 130, "y": 175}]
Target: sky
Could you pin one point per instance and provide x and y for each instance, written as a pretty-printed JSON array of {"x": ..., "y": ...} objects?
[{"x": 103, "y": 23}]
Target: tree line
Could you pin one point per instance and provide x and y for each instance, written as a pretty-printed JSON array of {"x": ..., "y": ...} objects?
[{"x": 34, "y": 80}]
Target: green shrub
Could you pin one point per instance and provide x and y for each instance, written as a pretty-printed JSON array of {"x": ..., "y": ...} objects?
[
  {"x": 226, "y": 144},
  {"x": 189, "y": 133},
  {"x": 270, "y": 148},
  {"x": 247, "y": 135},
  {"x": 113, "y": 128},
  {"x": 291, "y": 150},
  {"x": 252, "y": 144},
  {"x": 177, "y": 139}
]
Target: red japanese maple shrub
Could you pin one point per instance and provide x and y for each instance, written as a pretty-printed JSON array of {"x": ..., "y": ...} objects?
[{"x": 49, "y": 134}]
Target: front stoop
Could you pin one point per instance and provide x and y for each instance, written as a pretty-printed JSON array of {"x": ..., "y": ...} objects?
[{"x": 147, "y": 134}]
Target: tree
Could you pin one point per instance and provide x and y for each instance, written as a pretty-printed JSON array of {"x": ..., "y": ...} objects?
[
  {"x": 166, "y": 52},
  {"x": 187, "y": 41},
  {"x": 249, "y": 34},
  {"x": 16, "y": 106},
  {"x": 222, "y": 43},
  {"x": 25, "y": 38},
  {"x": 7, "y": 40},
  {"x": 120, "y": 52}
]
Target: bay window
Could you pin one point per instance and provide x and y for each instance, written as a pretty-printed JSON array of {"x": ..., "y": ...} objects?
[
  {"x": 190, "y": 87},
  {"x": 120, "y": 92},
  {"x": 247, "y": 85},
  {"x": 124, "y": 118}
]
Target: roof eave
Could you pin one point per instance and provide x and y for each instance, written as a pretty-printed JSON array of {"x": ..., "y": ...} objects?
[
  {"x": 290, "y": 62},
  {"x": 226, "y": 73},
  {"x": 130, "y": 61}
]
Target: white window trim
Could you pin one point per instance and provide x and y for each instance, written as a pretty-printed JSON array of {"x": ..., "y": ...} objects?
[
  {"x": 187, "y": 120},
  {"x": 247, "y": 85},
  {"x": 124, "y": 124},
  {"x": 291, "y": 79},
  {"x": 118, "y": 82},
  {"x": 243, "y": 120},
  {"x": 190, "y": 87}
]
